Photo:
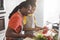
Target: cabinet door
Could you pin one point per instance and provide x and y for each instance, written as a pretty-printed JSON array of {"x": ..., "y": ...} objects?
[{"x": 2, "y": 23}]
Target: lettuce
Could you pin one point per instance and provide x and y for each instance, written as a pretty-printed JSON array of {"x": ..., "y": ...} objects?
[{"x": 40, "y": 37}]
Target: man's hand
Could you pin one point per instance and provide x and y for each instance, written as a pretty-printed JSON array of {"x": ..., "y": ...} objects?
[{"x": 30, "y": 35}]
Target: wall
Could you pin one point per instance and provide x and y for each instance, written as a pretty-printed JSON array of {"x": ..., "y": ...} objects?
[
  {"x": 59, "y": 19},
  {"x": 51, "y": 11},
  {"x": 39, "y": 12}
]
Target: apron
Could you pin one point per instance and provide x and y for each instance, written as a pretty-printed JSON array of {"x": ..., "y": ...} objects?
[{"x": 29, "y": 23}]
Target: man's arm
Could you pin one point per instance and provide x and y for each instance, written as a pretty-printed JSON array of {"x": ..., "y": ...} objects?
[
  {"x": 11, "y": 33},
  {"x": 32, "y": 29}
]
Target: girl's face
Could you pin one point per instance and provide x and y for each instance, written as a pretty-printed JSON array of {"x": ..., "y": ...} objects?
[{"x": 31, "y": 9}]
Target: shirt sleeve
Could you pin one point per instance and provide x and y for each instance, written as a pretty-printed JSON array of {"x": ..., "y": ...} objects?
[{"x": 14, "y": 23}]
